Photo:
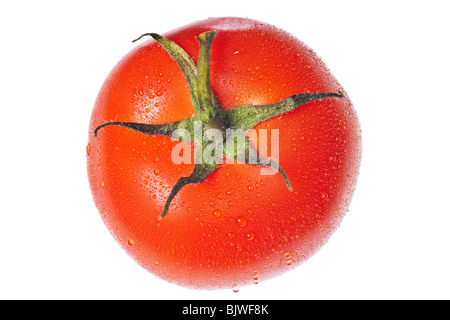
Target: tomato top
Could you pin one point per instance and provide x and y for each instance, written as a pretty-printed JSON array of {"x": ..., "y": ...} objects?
[{"x": 238, "y": 225}]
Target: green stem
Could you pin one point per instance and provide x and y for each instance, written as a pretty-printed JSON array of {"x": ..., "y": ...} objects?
[
  {"x": 209, "y": 114},
  {"x": 164, "y": 129},
  {"x": 208, "y": 110},
  {"x": 247, "y": 116},
  {"x": 200, "y": 173},
  {"x": 184, "y": 61}
]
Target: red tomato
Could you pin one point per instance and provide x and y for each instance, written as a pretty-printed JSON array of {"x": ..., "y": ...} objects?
[{"x": 238, "y": 226}]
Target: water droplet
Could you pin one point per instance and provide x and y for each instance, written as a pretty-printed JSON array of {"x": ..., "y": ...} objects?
[
  {"x": 250, "y": 187},
  {"x": 130, "y": 242},
  {"x": 157, "y": 172},
  {"x": 324, "y": 195},
  {"x": 217, "y": 213},
  {"x": 241, "y": 221},
  {"x": 235, "y": 289},
  {"x": 250, "y": 236},
  {"x": 289, "y": 262},
  {"x": 88, "y": 149},
  {"x": 102, "y": 184}
]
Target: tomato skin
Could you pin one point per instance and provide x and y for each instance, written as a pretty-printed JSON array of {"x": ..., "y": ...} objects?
[{"x": 238, "y": 226}]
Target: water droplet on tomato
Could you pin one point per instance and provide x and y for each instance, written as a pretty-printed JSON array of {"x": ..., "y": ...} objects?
[
  {"x": 157, "y": 172},
  {"x": 88, "y": 149},
  {"x": 102, "y": 184},
  {"x": 241, "y": 221},
  {"x": 130, "y": 242},
  {"x": 217, "y": 213},
  {"x": 250, "y": 236},
  {"x": 250, "y": 187}
]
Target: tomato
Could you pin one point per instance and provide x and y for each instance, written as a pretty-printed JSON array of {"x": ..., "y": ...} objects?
[{"x": 227, "y": 224}]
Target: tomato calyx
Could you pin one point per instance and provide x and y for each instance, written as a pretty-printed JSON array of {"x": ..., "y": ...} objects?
[{"x": 221, "y": 132}]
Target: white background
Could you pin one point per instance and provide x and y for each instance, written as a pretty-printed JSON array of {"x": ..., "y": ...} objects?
[{"x": 392, "y": 57}]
